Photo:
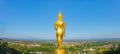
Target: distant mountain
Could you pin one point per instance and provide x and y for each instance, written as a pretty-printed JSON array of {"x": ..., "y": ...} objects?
[
  {"x": 33, "y": 39},
  {"x": 99, "y": 39}
]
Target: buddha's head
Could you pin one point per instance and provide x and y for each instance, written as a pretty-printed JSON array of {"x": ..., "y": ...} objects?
[{"x": 60, "y": 16}]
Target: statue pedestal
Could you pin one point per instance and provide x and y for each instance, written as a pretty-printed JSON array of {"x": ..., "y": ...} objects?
[{"x": 59, "y": 51}]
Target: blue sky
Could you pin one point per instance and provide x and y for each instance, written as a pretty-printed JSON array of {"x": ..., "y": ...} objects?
[{"x": 85, "y": 19}]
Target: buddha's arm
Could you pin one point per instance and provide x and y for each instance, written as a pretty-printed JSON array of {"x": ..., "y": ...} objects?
[
  {"x": 55, "y": 26},
  {"x": 64, "y": 29}
]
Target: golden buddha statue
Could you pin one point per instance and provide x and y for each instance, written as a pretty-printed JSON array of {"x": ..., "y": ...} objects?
[{"x": 60, "y": 32}]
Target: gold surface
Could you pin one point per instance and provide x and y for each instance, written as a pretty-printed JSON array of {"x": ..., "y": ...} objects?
[
  {"x": 59, "y": 51},
  {"x": 60, "y": 32}
]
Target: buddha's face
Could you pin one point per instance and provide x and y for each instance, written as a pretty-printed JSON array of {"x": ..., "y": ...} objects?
[{"x": 59, "y": 18}]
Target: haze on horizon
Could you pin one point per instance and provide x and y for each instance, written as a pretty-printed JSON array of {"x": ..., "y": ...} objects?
[{"x": 85, "y": 19}]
